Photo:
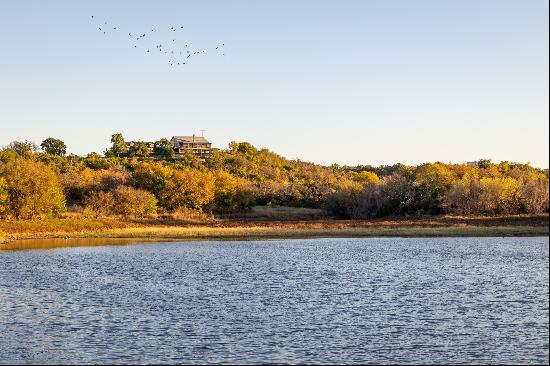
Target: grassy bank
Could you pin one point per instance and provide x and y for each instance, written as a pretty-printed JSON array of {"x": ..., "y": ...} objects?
[
  {"x": 169, "y": 228},
  {"x": 143, "y": 234}
]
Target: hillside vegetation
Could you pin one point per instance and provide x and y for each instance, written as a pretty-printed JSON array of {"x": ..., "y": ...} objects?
[{"x": 39, "y": 184}]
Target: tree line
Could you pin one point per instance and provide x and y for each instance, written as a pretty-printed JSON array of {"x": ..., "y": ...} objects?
[{"x": 37, "y": 182}]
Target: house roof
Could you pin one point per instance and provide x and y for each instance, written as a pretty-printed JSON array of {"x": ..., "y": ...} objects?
[{"x": 187, "y": 139}]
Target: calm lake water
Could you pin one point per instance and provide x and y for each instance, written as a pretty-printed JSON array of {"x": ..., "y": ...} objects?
[{"x": 391, "y": 300}]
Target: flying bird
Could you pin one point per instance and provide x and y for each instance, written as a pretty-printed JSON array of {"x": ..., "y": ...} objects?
[{"x": 174, "y": 50}]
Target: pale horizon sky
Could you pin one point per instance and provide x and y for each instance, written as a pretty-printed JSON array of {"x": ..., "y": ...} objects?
[{"x": 347, "y": 82}]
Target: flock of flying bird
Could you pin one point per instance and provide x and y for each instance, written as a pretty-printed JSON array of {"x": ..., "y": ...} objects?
[{"x": 176, "y": 56}]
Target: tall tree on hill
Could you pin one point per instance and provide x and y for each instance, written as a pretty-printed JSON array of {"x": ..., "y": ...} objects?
[
  {"x": 139, "y": 148},
  {"x": 119, "y": 147},
  {"x": 164, "y": 148},
  {"x": 54, "y": 146}
]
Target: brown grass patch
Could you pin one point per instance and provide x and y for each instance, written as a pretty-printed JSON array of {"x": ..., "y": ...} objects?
[{"x": 170, "y": 226}]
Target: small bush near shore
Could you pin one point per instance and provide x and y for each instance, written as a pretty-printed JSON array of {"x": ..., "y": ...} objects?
[
  {"x": 122, "y": 200},
  {"x": 99, "y": 203},
  {"x": 134, "y": 202}
]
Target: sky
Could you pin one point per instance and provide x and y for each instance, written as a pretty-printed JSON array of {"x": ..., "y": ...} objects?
[{"x": 346, "y": 82}]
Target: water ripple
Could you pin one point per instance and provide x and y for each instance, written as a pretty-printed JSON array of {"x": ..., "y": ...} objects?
[{"x": 381, "y": 301}]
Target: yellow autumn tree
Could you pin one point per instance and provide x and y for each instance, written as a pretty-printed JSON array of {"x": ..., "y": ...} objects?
[
  {"x": 366, "y": 177},
  {"x": 32, "y": 190},
  {"x": 188, "y": 188}
]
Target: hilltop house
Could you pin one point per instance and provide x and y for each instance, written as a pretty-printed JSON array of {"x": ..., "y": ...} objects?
[{"x": 196, "y": 144}]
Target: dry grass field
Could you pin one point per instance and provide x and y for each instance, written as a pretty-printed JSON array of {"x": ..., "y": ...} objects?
[{"x": 168, "y": 227}]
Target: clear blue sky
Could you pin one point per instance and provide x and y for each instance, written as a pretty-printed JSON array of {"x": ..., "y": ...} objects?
[{"x": 348, "y": 82}]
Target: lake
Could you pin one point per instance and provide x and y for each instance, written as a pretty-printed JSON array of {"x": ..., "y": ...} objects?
[{"x": 368, "y": 300}]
